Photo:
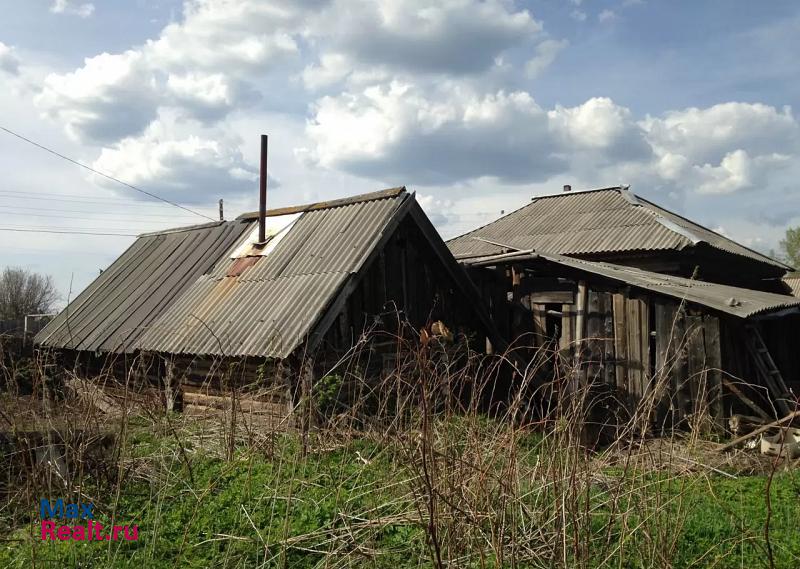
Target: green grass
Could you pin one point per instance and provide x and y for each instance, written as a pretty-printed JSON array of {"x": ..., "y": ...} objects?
[{"x": 284, "y": 508}]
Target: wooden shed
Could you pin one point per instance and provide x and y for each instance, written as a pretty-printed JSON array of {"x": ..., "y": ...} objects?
[
  {"x": 617, "y": 226},
  {"x": 684, "y": 345},
  {"x": 207, "y": 307}
]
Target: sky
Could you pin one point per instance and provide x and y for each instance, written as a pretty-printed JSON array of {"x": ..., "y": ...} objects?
[{"x": 476, "y": 105}]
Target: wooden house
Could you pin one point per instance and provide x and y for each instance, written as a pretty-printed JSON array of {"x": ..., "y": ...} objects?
[{"x": 640, "y": 326}]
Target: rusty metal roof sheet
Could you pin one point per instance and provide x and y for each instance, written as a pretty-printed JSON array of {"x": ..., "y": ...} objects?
[
  {"x": 113, "y": 311},
  {"x": 268, "y": 308},
  {"x": 736, "y": 301},
  {"x": 609, "y": 220}
]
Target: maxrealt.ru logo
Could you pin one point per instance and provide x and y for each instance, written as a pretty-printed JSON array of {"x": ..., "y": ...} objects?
[{"x": 77, "y": 523}]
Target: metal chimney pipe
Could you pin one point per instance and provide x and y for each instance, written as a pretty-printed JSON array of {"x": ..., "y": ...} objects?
[
  {"x": 567, "y": 188},
  {"x": 262, "y": 204}
]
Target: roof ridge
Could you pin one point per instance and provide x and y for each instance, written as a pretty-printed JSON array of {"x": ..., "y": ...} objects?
[
  {"x": 743, "y": 246},
  {"x": 181, "y": 229},
  {"x": 684, "y": 232},
  {"x": 359, "y": 198},
  {"x": 578, "y": 192}
]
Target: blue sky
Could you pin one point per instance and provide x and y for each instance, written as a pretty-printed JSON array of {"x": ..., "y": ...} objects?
[{"x": 477, "y": 105}]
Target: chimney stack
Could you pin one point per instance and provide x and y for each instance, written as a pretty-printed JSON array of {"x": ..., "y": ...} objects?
[
  {"x": 567, "y": 188},
  {"x": 262, "y": 187}
]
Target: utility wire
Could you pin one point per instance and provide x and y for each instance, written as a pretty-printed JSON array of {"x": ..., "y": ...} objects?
[
  {"x": 29, "y": 211},
  {"x": 70, "y": 227},
  {"x": 112, "y": 178},
  {"x": 54, "y": 196},
  {"x": 68, "y": 232}
]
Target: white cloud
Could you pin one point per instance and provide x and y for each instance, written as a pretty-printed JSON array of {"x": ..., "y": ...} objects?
[
  {"x": 453, "y": 37},
  {"x": 414, "y": 92},
  {"x": 706, "y": 135},
  {"x": 597, "y": 123},
  {"x": 545, "y": 53},
  {"x": 110, "y": 97},
  {"x": 332, "y": 68},
  {"x": 8, "y": 59},
  {"x": 737, "y": 171},
  {"x": 606, "y": 16},
  {"x": 440, "y": 211},
  {"x": 208, "y": 97},
  {"x": 237, "y": 36},
  {"x": 399, "y": 132},
  {"x": 204, "y": 64},
  {"x": 578, "y": 15},
  {"x": 725, "y": 148},
  {"x": 67, "y": 7},
  {"x": 453, "y": 133},
  {"x": 186, "y": 169}
]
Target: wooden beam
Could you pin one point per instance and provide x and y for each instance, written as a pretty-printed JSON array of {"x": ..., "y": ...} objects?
[
  {"x": 553, "y": 296},
  {"x": 788, "y": 418}
]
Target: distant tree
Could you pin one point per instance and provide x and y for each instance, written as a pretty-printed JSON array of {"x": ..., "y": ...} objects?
[
  {"x": 790, "y": 247},
  {"x": 25, "y": 292}
]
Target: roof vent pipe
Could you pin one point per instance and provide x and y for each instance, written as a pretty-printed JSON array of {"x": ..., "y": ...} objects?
[
  {"x": 567, "y": 188},
  {"x": 262, "y": 191}
]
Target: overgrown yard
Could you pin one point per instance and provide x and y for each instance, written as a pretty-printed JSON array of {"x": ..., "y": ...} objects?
[
  {"x": 481, "y": 494},
  {"x": 410, "y": 473}
]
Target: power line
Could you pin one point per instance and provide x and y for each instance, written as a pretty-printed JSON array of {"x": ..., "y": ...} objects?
[
  {"x": 112, "y": 178},
  {"x": 68, "y": 232},
  {"x": 76, "y": 198},
  {"x": 77, "y": 227},
  {"x": 25, "y": 211}
]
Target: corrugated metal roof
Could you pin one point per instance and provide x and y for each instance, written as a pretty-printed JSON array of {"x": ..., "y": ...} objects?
[
  {"x": 114, "y": 310},
  {"x": 794, "y": 283},
  {"x": 610, "y": 220},
  {"x": 740, "y": 302},
  {"x": 234, "y": 317},
  {"x": 270, "y": 307}
]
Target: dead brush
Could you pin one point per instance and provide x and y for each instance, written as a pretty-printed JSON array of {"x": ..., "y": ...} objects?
[{"x": 493, "y": 463}]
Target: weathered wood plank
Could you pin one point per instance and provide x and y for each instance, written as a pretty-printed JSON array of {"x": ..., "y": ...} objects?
[
  {"x": 553, "y": 297},
  {"x": 680, "y": 366},
  {"x": 580, "y": 332},
  {"x": 539, "y": 324},
  {"x": 620, "y": 341},
  {"x": 696, "y": 362},
  {"x": 567, "y": 330},
  {"x": 607, "y": 328},
  {"x": 644, "y": 335},
  {"x": 714, "y": 365},
  {"x": 634, "y": 343},
  {"x": 593, "y": 336},
  {"x": 665, "y": 351}
]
